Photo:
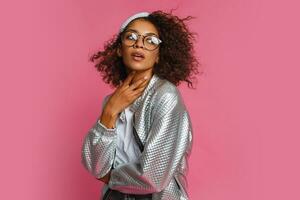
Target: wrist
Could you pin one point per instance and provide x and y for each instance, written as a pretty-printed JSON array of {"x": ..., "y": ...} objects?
[
  {"x": 110, "y": 113},
  {"x": 108, "y": 119}
]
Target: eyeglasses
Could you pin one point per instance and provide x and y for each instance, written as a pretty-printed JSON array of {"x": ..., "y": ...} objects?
[{"x": 150, "y": 42}]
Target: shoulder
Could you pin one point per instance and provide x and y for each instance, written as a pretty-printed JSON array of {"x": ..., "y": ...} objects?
[{"x": 167, "y": 96}]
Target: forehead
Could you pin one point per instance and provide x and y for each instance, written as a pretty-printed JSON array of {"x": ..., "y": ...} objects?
[{"x": 142, "y": 27}]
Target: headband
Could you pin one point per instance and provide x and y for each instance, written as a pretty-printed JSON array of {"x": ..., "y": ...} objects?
[{"x": 128, "y": 20}]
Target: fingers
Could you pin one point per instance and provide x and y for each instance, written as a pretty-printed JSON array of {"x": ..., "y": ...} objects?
[
  {"x": 135, "y": 89},
  {"x": 138, "y": 91},
  {"x": 138, "y": 83}
]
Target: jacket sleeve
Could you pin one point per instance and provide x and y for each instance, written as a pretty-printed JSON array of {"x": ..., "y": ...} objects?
[
  {"x": 168, "y": 140},
  {"x": 98, "y": 149}
]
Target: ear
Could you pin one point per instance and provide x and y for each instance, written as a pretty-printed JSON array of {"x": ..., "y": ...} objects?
[{"x": 157, "y": 59}]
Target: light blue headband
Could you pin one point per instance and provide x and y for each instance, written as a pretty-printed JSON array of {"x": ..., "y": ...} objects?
[{"x": 137, "y": 15}]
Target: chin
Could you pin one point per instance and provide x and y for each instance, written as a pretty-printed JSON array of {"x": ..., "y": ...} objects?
[{"x": 138, "y": 67}]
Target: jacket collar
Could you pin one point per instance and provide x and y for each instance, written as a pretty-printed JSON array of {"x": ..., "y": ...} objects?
[{"x": 149, "y": 89}]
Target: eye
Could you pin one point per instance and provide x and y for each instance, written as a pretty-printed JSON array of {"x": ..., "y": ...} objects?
[
  {"x": 132, "y": 36},
  {"x": 153, "y": 40}
]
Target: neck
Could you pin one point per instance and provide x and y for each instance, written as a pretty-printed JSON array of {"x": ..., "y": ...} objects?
[{"x": 140, "y": 74}]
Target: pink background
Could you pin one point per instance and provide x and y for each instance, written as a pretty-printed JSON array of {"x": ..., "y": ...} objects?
[{"x": 245, "y": 110}]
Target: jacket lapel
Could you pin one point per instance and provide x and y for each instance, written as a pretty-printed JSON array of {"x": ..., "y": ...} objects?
[{"x": 139, "y": 116}]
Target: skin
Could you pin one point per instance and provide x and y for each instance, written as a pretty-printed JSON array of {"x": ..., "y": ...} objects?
[
  {"x": 135, "y": 83},
  {"x": 144, "y": 67}
]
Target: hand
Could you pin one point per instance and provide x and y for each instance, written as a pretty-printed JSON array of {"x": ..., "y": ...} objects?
[
  {"x": 126, "y": 93},
  {"x": 106, "y": 178}
]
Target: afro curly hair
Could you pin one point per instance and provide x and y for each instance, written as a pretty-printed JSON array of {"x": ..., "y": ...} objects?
[{"x": 177, "y": 61}]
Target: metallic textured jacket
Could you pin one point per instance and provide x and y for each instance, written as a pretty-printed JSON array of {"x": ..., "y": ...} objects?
[{"x": 164, "y": 127}]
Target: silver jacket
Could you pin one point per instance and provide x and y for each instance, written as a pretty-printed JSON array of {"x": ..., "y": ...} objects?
[{"x": 164, "y": 127}]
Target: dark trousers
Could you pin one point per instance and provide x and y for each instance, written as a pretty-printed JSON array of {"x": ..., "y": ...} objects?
[{"x": 116, "y": 195}]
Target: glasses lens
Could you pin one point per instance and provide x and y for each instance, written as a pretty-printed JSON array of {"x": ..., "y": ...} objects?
[
  {"x": 129, "y": 38},
  {"x": 151, "y": 42}
]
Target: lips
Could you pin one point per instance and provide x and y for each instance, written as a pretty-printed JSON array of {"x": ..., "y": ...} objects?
[{"x": 138, "y": 56}]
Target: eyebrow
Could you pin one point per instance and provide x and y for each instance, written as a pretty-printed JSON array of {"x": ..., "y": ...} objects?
[{"x": 139, "y": 33}]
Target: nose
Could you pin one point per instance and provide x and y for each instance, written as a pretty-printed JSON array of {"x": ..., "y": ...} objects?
[{"x": 139, "y": 43}]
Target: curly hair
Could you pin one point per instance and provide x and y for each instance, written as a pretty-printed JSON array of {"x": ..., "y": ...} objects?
[{"x": 177, "y": 61}]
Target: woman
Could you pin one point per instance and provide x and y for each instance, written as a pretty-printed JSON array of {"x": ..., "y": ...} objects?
[{"x": 140, "y": 144}]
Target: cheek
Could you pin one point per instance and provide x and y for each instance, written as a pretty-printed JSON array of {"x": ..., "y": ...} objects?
[
  {"x": 126, "y": 55},
  {"x": 125, "y": 51},
  {"x": 153, "y": 56}
]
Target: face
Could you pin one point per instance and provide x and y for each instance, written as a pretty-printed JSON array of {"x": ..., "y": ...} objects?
[{"x": 128, "y": 53}]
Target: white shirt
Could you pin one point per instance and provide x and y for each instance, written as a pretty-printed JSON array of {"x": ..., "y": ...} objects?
[{"x": 127, "y": 149}]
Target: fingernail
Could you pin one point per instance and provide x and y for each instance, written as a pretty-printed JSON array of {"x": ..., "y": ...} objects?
[{"x": 145, "y": 77}]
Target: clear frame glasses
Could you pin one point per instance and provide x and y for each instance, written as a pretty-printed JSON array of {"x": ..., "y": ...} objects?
[{"x": 150, "y": 42}]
